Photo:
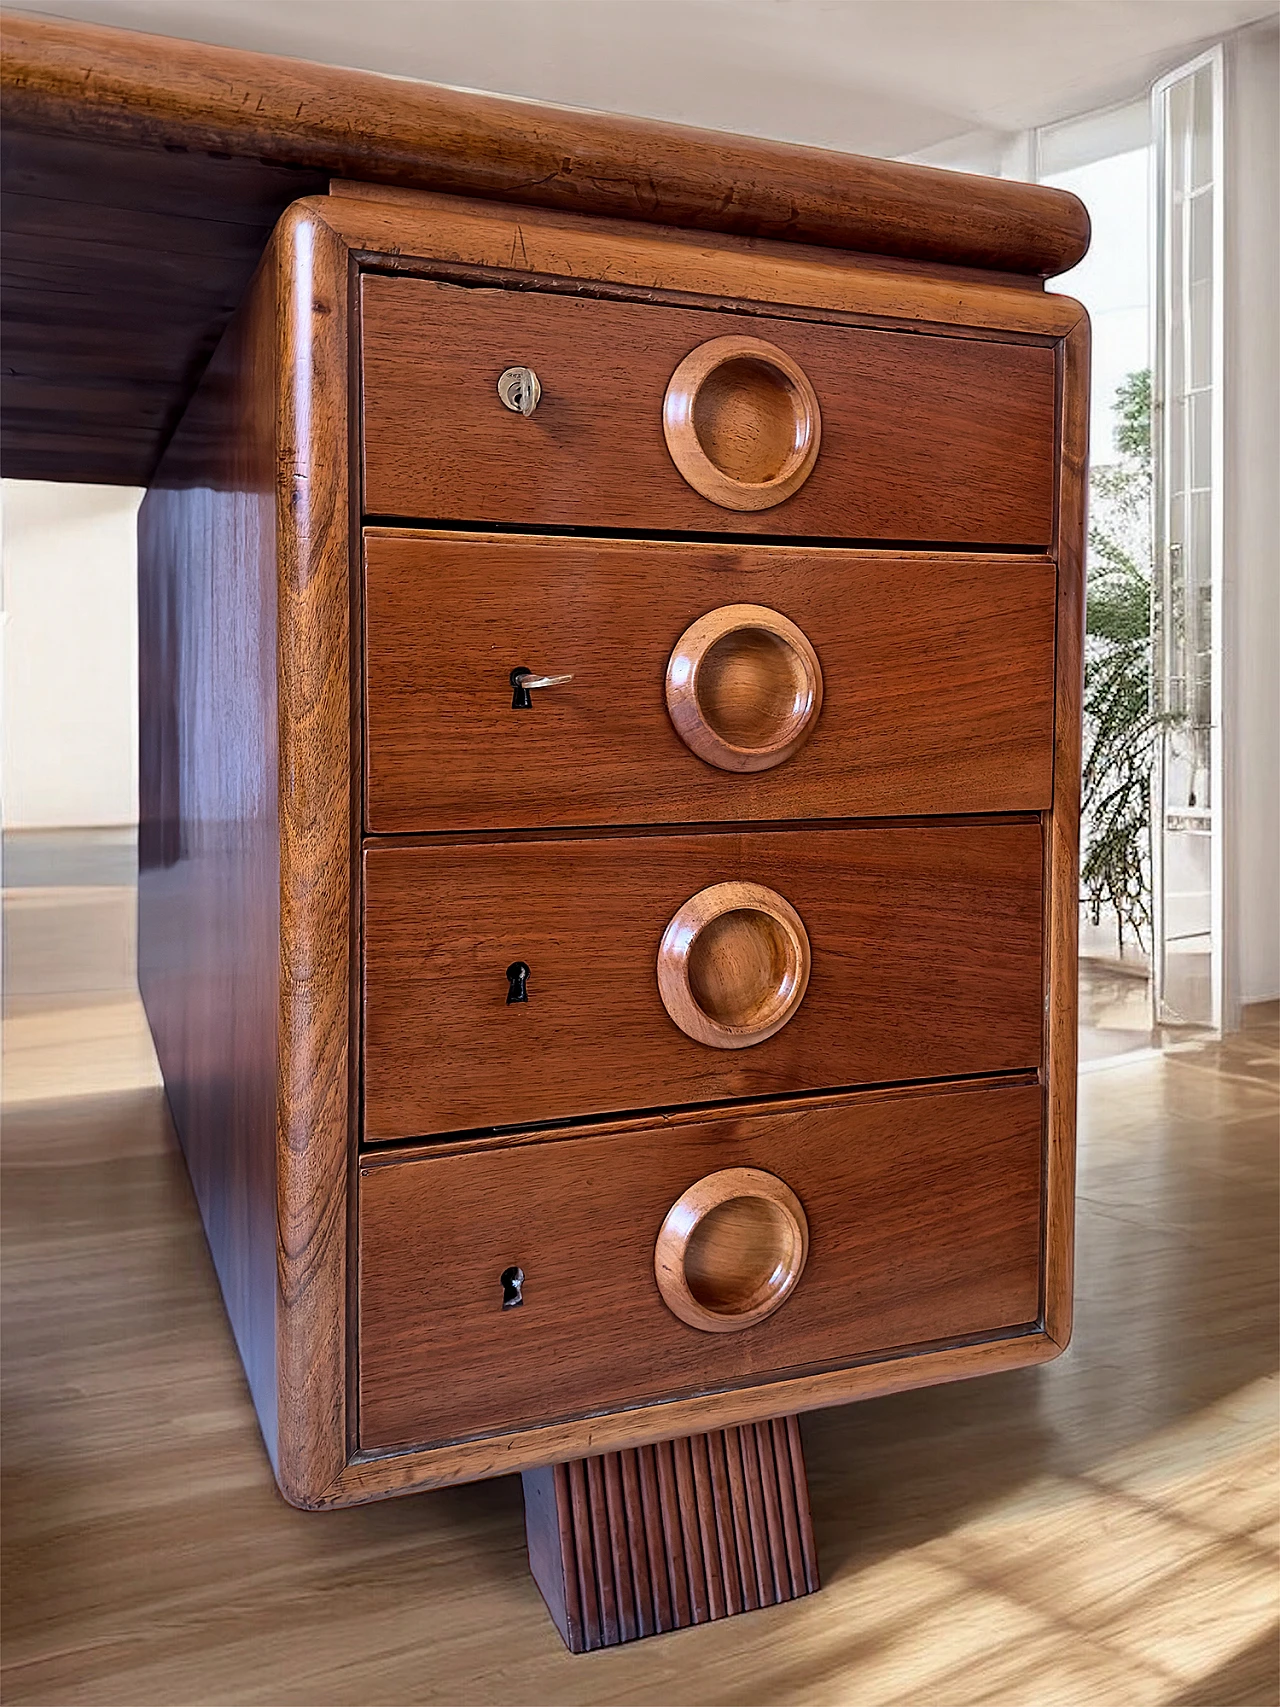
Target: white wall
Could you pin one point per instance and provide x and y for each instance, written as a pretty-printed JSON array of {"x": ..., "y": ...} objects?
[
  {"x": 70, "y": 738},
  {"x": 989, "y": 153},
  {"x": 1251, "y": 714}
]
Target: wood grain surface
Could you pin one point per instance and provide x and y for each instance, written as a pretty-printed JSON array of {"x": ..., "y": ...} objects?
[
  {"x": 926, "y": 963},
  {"x": 937, "y": 681},
  {"x": 418, "y": 233},
  {"x": 208, "y": 847},
  {"x": 112, "y": 85},
  {"x": 924, "y": 1225},
  {"x": 246, "y": 847},
  {"x": 318, "y": 825},
  {"x": 663, "y": 1537},
  {"x": 119, "y": 270},
  {"x": 1062, "y": 839},
  {"x": 944, "y": 440}
]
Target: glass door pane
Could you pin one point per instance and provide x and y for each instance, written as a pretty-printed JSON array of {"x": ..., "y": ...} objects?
[
  {"x": 1187, "y": 444},
  {"x": 1105, "y": 159}
]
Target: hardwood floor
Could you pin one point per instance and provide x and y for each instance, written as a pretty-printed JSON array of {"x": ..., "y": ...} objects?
[{"x": 1102, "y": 1530}]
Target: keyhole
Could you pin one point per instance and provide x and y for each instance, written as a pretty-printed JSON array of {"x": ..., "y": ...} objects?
[
  {"x": 518, "y": 982},
  {"x": 512, "y": 1282},
  {"x": 519, "y": 389}
]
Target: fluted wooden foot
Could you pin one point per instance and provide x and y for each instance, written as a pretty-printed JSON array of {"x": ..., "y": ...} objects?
[{"x": 660, "y": 1537}]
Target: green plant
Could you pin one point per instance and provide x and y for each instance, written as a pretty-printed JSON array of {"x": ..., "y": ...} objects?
[{"x": 1120, "y": 727}]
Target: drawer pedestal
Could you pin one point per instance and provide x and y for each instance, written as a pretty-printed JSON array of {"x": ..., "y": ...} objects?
[{"x": 608, "y": 877}]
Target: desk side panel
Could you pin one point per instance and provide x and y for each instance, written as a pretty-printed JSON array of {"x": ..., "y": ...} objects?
[{"x": 208, "y": 847}]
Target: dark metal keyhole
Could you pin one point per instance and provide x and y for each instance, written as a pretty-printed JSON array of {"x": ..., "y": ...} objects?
[
  {"x": 517, "y": 982},
  {"x": 512, "y": 1282}
]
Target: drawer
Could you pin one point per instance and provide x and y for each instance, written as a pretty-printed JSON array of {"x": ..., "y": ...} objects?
[
  {"x": 793, "y": 959},
  {"x": 917, "y": 437},
  {"x": 922, "y": 1223},
  {"x": 934, "y": 682}
]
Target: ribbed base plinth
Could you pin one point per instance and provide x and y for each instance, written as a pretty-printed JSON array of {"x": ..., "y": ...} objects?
[{"x": 661, "y": 1537}]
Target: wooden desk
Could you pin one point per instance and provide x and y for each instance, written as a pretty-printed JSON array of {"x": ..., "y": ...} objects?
[{"x": 611, "y": 603}]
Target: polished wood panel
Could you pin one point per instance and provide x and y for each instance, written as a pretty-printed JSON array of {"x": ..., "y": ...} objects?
[
  {"x": 208, "y": 851},
  {"x": 926, "y": 963},
  {"x": 922, "y": 438},
  {"x": 246, "y": 842},
  {"x": 1062, "y": 840},
  {"x": 737, "y": 1545},
  {"x": 119, "y": 270},
  {"x": 318, "y": 822},
  {"x": 111, "y": 84},
  {"x": 937, "y": 681},
  {"x": 415, "y": 231},
  {"x": 498, "y": 1454},
  {"x": 924, "y": 1225}
]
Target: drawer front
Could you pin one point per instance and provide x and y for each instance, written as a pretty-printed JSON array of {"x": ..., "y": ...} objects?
[
  {"x": 923, "y": 1221},
  {"x": 936, "y": 682},
  {"x": 922, "y": 437},
  {"x": 924, "y": 942}
]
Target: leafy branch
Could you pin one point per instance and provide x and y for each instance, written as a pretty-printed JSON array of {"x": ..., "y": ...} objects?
[{"x": 1121, "y": 730}]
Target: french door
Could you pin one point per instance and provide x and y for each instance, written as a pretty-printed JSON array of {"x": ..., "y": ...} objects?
[{"x": 1187, "y": 827}]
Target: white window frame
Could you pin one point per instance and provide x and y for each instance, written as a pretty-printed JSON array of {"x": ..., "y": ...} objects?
[{"x": 1222, "y": 1007}]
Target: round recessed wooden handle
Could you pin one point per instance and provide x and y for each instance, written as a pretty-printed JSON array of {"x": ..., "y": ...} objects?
[
  {"x": 733, "y": 965},
  {"x": 742, "y": 423},
  {"x": 744, "y": 688},
  {"x": 731, "y": 1250}
]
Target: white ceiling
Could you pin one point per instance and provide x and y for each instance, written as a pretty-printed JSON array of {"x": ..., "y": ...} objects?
[{"x": 882, "y": 77}]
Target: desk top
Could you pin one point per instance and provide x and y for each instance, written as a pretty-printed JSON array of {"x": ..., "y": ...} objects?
[{"x": 142, "y": 176}]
